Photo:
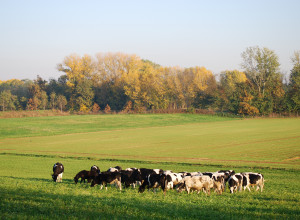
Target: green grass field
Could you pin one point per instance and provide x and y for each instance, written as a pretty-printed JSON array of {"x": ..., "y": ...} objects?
[{"x": 181, "y": 142}]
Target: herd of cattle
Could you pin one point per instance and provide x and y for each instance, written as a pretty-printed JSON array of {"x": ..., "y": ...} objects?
[{"x": 166, "y": 180}]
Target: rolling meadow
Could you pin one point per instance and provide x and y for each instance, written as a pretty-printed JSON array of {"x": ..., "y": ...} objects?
[{"x": 179, "y": 142}]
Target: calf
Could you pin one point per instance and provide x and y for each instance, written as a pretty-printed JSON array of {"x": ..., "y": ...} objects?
[
  {"x": 253, "y": 179},
  {"x": 235, "y": 182},
  {"x": 108, "y": 177},
  {"x": 85, "y": 175},
  {"x": 196, "y": 183},
  {"x": 58, "y": 170}
]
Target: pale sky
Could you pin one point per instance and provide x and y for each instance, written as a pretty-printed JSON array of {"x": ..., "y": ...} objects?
[{"x": 36, "y": 35}]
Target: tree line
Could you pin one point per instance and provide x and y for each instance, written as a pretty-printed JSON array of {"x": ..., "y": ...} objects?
[{"x": 122, "y": 82}]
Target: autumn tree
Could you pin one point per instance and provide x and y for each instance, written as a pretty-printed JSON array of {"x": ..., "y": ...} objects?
[
  {"x": 113, "y": 72},
  {"x": 79, "y": 72},
  {"x": 194, "y": 80},
  {"x": 107, "y": 109},
  {"x": 96, "y": 108},
  {"x": 173, "y": 86}
]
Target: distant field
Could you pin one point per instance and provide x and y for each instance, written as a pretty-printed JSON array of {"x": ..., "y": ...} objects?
[
  {"x": 177, "y": 138},
  {"x": 55, "y": 125},
  {"x": 181, "y": 142}
]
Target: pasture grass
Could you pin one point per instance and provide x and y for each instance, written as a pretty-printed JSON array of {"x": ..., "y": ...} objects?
[
  {"x": 28, "y": 192},
  {"x": 174, "y": 138},
  {"x": 180, "y": 142},
  {"x": 58, "y": 125}
]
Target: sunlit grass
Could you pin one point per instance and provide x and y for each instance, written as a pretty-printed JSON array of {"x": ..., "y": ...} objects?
[{"x": 32, "y": 194}]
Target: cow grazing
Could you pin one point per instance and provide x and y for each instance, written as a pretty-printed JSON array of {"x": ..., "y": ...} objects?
[
  {"x": 95, "y": 169},
  {"x": 235, "y": 182},
  {"x": 130, "y": 177},
  {"x": 226, "y": 174},
  {"x": 108, "y": 177},
  {"x": 218, "y": 182},
  {"x": 197, "y": 183},
  {"x": 158, "y": 171},
  {"x": 58, "y": 170},
  {"x": 145, "y": 173},
  {"x": 196, "y": 174},
  {"x": 155, "y": 181},
  {"x": 253, "y": 179},
  {"x": 85, "y": 175},
  {"x": 210, "y": 174},
  {"x": 114, "y": 169},
  {"x": 176, "y": 179}
]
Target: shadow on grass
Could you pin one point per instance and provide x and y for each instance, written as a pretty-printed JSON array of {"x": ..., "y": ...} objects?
[
  {"x": 92, "y": 203},
  {"x": 65, "y": 181}
]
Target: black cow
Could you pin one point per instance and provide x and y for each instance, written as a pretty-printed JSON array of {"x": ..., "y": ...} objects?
[
  {"x": 58, "y": 170},
  {"x": 108, "y": 177},
  {"x": 130, "y": 177},
  {"x": 146, "y": 172},
  {"x": 86, "y": 175}
]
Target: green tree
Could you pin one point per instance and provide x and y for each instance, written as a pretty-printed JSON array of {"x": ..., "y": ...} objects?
[
  {"x": 52, "y": 100},
  {"x": 61, "y": 102},
  {"x": 44, "y": 100},
  {"x": 294, "y": 83},
  {"x": 7, "y": 100},
  {"x": 261, "y": 66}
]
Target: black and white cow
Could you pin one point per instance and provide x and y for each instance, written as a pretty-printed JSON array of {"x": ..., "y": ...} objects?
[
  {"x": 108, "y": 177},
  {"x": 227, "y": 174},
  {"x": 253, "y": 179},
  {"x": 95, "y": 169},
  {"x": 176, "y": 179},
  {"x": 58, "y": 170},
  {"x": 114, "y": 169},
  {"x": 235, "y": 182},
  {"x": 145, "y": 172},
  {"x": 155, "y": 180}
]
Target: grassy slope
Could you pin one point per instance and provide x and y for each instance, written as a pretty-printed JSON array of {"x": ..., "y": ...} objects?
[
  {"x": 33, "y": 195},
  {"x": 55, "y": 125},
  {"x": 178, "y": 138}
]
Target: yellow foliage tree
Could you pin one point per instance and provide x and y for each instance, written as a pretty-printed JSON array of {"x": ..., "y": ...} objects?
[{"x": 77, "y": 68}]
